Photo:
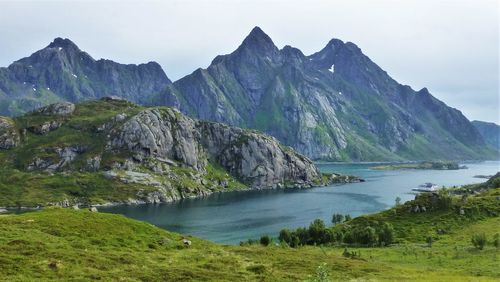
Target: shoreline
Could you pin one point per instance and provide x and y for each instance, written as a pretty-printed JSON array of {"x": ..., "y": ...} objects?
[{"x": 67, "y": 203}]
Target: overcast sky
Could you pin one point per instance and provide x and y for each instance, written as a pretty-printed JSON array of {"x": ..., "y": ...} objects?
[{"x": 448, "y": 46}]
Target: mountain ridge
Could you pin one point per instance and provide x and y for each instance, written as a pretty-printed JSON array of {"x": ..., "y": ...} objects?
[
  {"x": 63, "y": 72},
  {"x": 490, "y": 132},
  {"x": 335, "y": 104}
]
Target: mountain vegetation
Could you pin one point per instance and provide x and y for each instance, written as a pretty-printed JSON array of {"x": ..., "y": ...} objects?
[
  {"x": 112, "y": 150},
  {"x": 67, "y": 244},
  {"x": 437, "y": 165}
]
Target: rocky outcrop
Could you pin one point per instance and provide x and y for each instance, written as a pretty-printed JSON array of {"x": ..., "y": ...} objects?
[
  {"x": 57, "y": 158},
  {"x": 148, "y": 155},
  {"x": 339, "y": 178},
  {"x": 253, "y": 158},
  {"x": 45, "y": 127},
  {"x": 57, "y": 109},
  {"x": 9, "y": 135}
]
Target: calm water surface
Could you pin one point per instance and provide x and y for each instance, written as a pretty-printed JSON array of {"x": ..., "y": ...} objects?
[{"x": 236, "y": 216}]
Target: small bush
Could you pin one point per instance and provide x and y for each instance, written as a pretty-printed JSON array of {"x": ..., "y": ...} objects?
[
  {"x": 285, "y": 236},
  {"x": 257, "y": 269},
  {"x": 317, "y": 232},
  {"x": 248, "y": 242},
  {"x": 322, "y": 274},
  {"x": 496, "y": 241},
  {"x": 265, "y": 240},
  {"x": 429, "y": 241},
  {"x": 352, "y": 254},
  {"x": 479, "y": 240},
  {"x": 397, "y": 201},
  {"x": 386, "y": 234},
  {"x": 337, "y": 218}
]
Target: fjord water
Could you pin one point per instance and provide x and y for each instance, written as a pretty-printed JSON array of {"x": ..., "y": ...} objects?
[{"x": 236, "y": 216}]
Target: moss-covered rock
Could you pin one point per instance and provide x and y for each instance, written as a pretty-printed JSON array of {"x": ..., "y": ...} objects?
[{"x": 158, "y": 154}]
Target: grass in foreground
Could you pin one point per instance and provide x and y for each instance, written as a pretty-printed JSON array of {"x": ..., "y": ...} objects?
[{"x": 77, "y": 244}]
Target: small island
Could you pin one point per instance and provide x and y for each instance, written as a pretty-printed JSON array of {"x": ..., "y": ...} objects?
[{"x": 436, "y": 165}]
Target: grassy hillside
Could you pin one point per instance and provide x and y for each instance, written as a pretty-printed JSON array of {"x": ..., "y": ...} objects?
[
  {"x": 21, "y": 186},
  {"x": 70, "y": 244}
]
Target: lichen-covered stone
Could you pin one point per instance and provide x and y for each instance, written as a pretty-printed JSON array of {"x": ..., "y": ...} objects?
[
  {"x": 9, "y": 135},
  {"x": 45, "y": 127}
]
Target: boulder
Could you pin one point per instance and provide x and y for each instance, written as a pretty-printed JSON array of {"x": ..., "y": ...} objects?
[
  {"x": 58, "y": 109},
  {"x": 113, "y": 98},
  {"x": 45, "y": 127},
  {"x": 9, "y": 135},
  {"x": 94, "y": 163}
]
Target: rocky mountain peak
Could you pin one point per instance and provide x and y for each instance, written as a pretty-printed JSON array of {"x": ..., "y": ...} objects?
[
  {"x": 293, "y": 55},
  {"x": 64, "y": 43},
  {"x": 259, "y": 41}
]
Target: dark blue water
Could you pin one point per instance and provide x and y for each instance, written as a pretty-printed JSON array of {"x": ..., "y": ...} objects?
[{"x": 236, "y": 216}]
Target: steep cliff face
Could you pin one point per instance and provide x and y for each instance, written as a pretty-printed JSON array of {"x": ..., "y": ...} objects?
[
  {"x": 9, "y": 135},
  {"x": 255, "y": 159},
  {"x": 62, "y": 72},
  {"x": 490, "y": 132},
  {"x": 335, "y": 104},
  {"x": 149, "y": 154}
]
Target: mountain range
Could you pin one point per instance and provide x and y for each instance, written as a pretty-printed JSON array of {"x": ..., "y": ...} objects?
[{"x": 335, "y": 104}]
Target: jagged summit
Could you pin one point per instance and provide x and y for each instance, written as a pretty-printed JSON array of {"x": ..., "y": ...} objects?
[
  {"x": 62, "y": 42},
  {"x": 258, "y": 40},
  {"x": 335, "y": 104},
  {"x": 63, "y": 72},
  {"x": 334, "y": 42}
]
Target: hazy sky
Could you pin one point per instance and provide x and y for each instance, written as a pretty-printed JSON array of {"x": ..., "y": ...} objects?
[{"x": 448, "y": 46}]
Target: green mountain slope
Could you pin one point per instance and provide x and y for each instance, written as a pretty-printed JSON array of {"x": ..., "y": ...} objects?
[
  {"x": 66, "y": 244},
  {"x": 115, "y": 151},
  {"x": 490, "y": 132}
]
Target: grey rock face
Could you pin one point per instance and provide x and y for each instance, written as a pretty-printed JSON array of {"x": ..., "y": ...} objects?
[
  {"x": 64, "y": 71},
  {"x": 254, "y": 158},
  {"x": 161, "y": 133},
  {"x": 45, "y": 127},
  {"x": 65, "y": 156},
  {"x": 9, "y": 135},
  {"x": 58, "y": 109},
  {"x": 335, "y": 104},
  {"x": 94, "y": 163},
  {"x": 490, "y": 132}
]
